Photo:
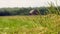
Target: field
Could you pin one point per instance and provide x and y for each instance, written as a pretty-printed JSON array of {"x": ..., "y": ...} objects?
[{"x": 46, "y": 24}]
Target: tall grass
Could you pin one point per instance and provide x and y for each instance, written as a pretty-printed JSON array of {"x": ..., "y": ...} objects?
[
  {"x": 53, "y": 9},
  {"x": 30, "y": 24}
]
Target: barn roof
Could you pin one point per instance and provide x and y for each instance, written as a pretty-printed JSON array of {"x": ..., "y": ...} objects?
[{"x": 33, "y": 10}]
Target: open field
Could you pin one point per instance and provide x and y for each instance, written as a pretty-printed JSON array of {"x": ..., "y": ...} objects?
[{"x": 49, "y": 24}]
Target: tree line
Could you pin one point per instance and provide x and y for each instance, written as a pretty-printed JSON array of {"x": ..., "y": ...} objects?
[{"x": 25, "y": 11}]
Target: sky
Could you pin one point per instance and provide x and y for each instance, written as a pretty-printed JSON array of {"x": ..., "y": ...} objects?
[{"x": 26, "y": 3}]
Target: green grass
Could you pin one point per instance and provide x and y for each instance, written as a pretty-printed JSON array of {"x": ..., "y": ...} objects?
[{"x": 48, "y": 24}]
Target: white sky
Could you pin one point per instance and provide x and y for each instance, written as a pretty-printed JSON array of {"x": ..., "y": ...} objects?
[{"x": 25, "y": 3}]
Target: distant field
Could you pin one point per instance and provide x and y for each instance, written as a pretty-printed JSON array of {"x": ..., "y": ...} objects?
[{"x": 48, "y": 24}]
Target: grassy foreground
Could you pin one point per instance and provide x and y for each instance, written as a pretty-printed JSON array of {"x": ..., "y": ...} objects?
[{"x": 49, "y": 24}]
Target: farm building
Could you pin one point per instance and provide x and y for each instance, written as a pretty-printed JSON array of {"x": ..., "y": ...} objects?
[{"x": 34, "y": 12}]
